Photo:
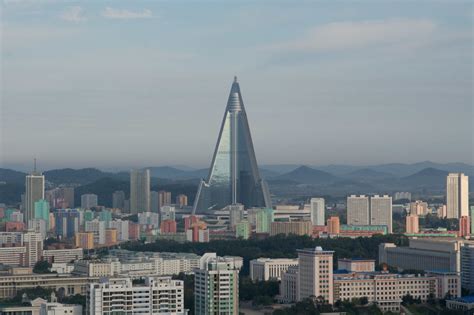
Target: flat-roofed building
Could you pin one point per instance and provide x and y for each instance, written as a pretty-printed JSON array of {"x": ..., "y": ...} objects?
[
  {"x": 356, "y": 264},
  {"x": 62, "y": 255},
  {"x": 295, "y": 227},
  {"x": 264, "y": 269}
]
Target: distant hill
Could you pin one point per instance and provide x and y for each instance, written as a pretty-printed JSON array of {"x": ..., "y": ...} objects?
[
  {"x": 11, "y": 176},
  {"x": 427, "y": 178},
  {"x": 368, "y": 175},
  {"x": 307, "y": 175},
  {"x": 75, "y": 176}
]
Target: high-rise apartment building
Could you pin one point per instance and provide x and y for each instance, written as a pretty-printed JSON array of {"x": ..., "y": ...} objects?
[
  {"x": 139, "y": 191},
  {"x": 182, "y": 200},
  {"x": 412, "y": 224},
  {"x": 34, "y": 192},
  {"x": 168, "y": 213},
  {"x": 457, "y": 195},
  {"x": 158, "y": 295},
  {"x": 234, "y": 176},
  {"x": 315, "y": 274},
  {"x": 358, "y": 210},
  {"x": 334, "y": 225},
  {"x": 118, "y": 199},
  {"x": 42, "y": 211},
  {"x": 464, "y": 226},
  {"x": 317, "y": 211},
  {"x": 34, "y": 247},
  {"x": 164, "y": 198},
  {"x": 89, "y": 201},
  {"x": 419, "y": 207},
  {"x": 381, "y": 211},
  {"x": 216, "y": 289},
  {"x": 236, "y": 214}
]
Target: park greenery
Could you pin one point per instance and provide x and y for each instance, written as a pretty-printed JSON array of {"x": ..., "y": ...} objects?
[{"x": 279, "y": 246}]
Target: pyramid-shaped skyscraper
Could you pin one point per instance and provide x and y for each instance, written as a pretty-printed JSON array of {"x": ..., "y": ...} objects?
[{"x": 234, "y": 176}]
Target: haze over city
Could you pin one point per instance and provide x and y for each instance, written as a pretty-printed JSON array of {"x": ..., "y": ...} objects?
[{"x": 134, "y": 84}]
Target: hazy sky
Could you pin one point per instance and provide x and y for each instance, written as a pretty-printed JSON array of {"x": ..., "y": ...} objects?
[{"x": 141, "y": 83}]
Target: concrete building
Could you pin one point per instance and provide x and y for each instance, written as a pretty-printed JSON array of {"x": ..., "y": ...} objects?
[
  {"x": 334, "y": 225},
  {"x": 33, "y": 243},
  {"x": 243, "y": 230},
  {"x": 381, "y": 211},
  {"x": 98, "y": 229},
  {"x": 164, "y": 198},
  {"x": 168, "y": 212},
  {"x": 154, "y": 202},
  {"x": 139, "y": 191},
  {"x": 295, "y": 227},
  {"x": 84, "y": 240},
  {"x": 122, "y": 229},
  {"x": 358, "y": 210},
  {"x": 424, "y": 254},
  {"x": 457, "y": 195},
  {"x": 384, "y": 289},
  {"x": 34, "y": 191},
  {"x": 118, "y": 199},
  {"x": 168, "y": 227},
  {"x": 216, "y": 289},
  {"x": 412, "y": 224},
  {"x": 467, "y": 266},
  {"x": 264, "y": 269},
  {"x": 289, "y": 285},
  {"x": 419, "y": 207},
  {"x": 317, "y": 211},
  {"x": 158, "y": 295},
  {"x": 182, "y": 200},
  {"x": 315, "y": 274},
  {"x": 89, "y": 201},
  {"x": 356, "y": 264},
  {"x": 464, "y": 226},
  {"x": 62, "y": 255},
  {"x": 402, "y": 196},
  {"x": 236, "y": 214}
]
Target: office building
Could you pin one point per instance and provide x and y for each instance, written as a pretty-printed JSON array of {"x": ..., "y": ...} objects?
[
  {"x": 216, "y": 289},
  {"x": 467, "y": 266},
  {"x": 412, "y": 224},
  {"x": 334, "y": 225},
  {"x": 118, "y": 199},
  {"x": 182, "y": 200},
  {"x": 164, "y": 198},
  {"x": 264, "y": 269},
  {"x": 317, "y": 211},
  {"x": 424, "y": 254},
  {"x": 315, "y": 274},
  {"x": 34, "y": 192},
  {"x": 158, "y": 295},
  {"x": 295, "y": 227},
  {"x": 358, "y": 210},
  {"x": 381, "y": 211},
  {"x": 234, "y": 176},
  {"x": 89, "y": 201},
  {"x": 289, "y": 285},
  {"x": 139, "y": 191},
  {"x": 457, "y": 195}
]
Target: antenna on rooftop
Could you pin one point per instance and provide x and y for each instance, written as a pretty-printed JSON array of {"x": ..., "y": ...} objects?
[{"x": 34, "y": 165}]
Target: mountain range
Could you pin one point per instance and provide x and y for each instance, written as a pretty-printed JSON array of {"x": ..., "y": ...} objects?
[{"x": 426, "y": 177}]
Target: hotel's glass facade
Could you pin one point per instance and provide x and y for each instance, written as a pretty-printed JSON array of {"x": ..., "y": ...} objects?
[{"x": 234, "y": 176}]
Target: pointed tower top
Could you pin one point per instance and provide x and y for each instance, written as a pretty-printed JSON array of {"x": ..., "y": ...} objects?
[{"x": 34, "y": 165}]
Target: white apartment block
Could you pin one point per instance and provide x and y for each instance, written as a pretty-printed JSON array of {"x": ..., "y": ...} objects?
[
  {"x": 318, "y": 211},
  {"x": 33, "y": 243},
  {"x": 216, "y": 289},
  {"x": 157, "y": 296},
  {"x": 62, "y": 255},
  {"x": 98, "y": 228},
  {"x": 264, "y": 269},
  {"x": 358, "y": 210},
  {"x": 457, "y": 195},
  {"x": 315, "y": 274},
  {"x": 122, "y": 229},
  {"x": 381, "y": 211}
]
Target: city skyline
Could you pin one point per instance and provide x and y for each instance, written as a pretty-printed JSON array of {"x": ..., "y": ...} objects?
[{"x": 403, "y": 84}]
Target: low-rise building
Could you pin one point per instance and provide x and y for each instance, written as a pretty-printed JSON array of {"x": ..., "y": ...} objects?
[
  {"x": 295, "y": 227},
  {"x": 356, "y": 264},
  {"x": 264, "y": 269}
]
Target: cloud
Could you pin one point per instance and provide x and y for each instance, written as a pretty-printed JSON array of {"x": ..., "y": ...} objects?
[
  {"x": 341, "y": 36},
  {"x": 112, "y": 13},
  {"x": 73, "y": 14}
]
